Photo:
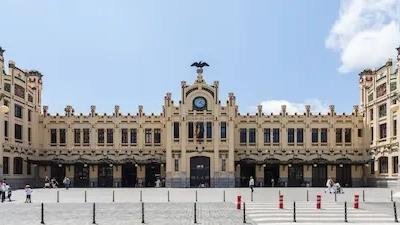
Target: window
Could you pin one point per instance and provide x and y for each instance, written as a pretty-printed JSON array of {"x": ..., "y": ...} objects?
[
  {"x": 223, "y": 129},
  {"x": 381, "y": 90},
  {"x": 110, "y": 136},
  {"x": 30, "y": 98},
  {"x": 370, "y": 97},
  {"x": 18, "y": 132},
  {"x": 300, "y": 134},
  {"x": 314, "y": 135},
  {"x": 394, "y": 128},
  {"x": 29, "y": 115},
  {"x": 133, "y": 136},
  {"x": 252, "y": 135},
  {"x": 359, "y": 132},
  {"x": 124, "y": 135},
  {"x": 324, "y": 135},
  {"x": 382, "y": 130},
  {"x": 190, "y": 130},
  {"x": 7, "y": 87},
  {"x": 199, "y": 130},
  {"x": 28, "y": 168},
  {"x": 347, "y": 135},
  {"x": 157, "y": 136},
  {"x": 147, "y": 137},
  {"x": 383, "y": 164},
  {"x": 372, "y": 134},
  {"x": 392, "y": 86},
  {"x": 18, "y": 165},
  {"x": 395, "y": 163},
  {"x": 372, "y": 163},
  {"x": 275, "y": 135},
  {"x": 5, "y": 128},
  {"x": 382, "y": 110},
  {"x": 86, "y": 136},
  {"x": 62, "y": 136},
  {"x": 5, "y": 165},
  {"x": 53, "y": 136},
  {"x": 19, "y": 91},
  {"x": 290, "y": 135},
  {"x": 100, "y": 136},
  {"x": 29, "y": 134},
  {"x": 339, "y": 138},
  {"x": 371, "y": 114},
  {"x": 176, "y": 165},
  {"x": 267, "y": 135},
  {"x": 223, "y": 165},
  {"x": 18, "y": 111},
  {"x": 243, "y": 135},
  {"x": 176, "y": 130},
  {"x": 209, "y": 129}
]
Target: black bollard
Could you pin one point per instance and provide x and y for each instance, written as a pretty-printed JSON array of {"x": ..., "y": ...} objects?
[
  {"x": 168, "y": 195},
  {"x": 85, "y": 196},
  {"x": 141, "y": 195},
  {"x": 195, "y": 213},
  {"x": 42, "y": 215},
  {"x": 345, "y": 212},
  {"x": 363, "y": 196},
  {"x": 142, "y": 212},
  {"x": 244, "y": 212},
  {"x": 196, "y": 195},
  {"x": 224, "y": 195},
  {"x": 307, "y": 195},
  {"x": 251, "y": 196},
  {"x": 391, "y": 195},
  {"x": 294, "y": 211},
  {"x": 58, "y": 196},
  {"x": 113, "y": 197},
  {"x": 335, "y": 197},
  {"x": 395, "y": 212},
  {"x": 94, "y": 213}
]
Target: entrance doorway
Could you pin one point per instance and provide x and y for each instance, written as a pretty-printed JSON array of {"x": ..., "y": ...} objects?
[
  {"x": 129, "y": 175},
  {"x": 271, "y": 175},
  {"x": 343, "y": 175},
  {"x": 247, "y": 170},
  {"x": 199, "y": 171},
  {"x": 319, "y": 175},
  {"x": 105, "y": 173},
  {"x": 295, "y": 175},
  {"x": 152, "y": 173},
  {"x": 58, "y": 173},
  {"x": 81, "y": 178}
]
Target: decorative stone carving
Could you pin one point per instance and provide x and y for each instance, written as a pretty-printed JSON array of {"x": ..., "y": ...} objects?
[
  {"x": 116, "y": 110},
  {"x": 93, "y": 110},
  {"x": 2, "y": 51},
  {"x": 332, "y": 109},
  {"x": 308, "y": 109},
  {"x": 183, "y": 84},
  {"x": 140, "y": 110},
  {"x": 259, "y": 109},
  {"x": 355, "y": 110},
  {"x": 45, "y": 110},
  {"x": 68, "y": 110},
  {"x": 283, "y": 107}
]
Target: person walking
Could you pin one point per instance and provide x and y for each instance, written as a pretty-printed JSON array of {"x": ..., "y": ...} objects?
[
  {"x": 2, "y": 190},
  {"x": 28, "y": 192},
  {"x": 251, "y": 183},
  {"x": 8, "y": 189},
  {"x": 329, "y": 185},
  {"x": 66, "y": 182}
]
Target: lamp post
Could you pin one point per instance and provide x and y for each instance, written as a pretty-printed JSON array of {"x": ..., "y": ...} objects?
[{"x": 3, "y": 109}]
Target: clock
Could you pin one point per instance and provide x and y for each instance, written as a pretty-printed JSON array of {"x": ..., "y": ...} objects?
[{"x": 199, "y": 103}]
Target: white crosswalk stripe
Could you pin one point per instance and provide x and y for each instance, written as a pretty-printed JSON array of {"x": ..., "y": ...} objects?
[{"x": 267, "y": 213}]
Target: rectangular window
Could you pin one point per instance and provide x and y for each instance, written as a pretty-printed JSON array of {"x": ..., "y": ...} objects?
[
  {"x": 62, "y": 136},
  {"x": 324, "y": 135},
  {"x": 190, "y": 130},
  {"x": 18, "y": 111},
  {"x": 77, "y": 136},
  {"x": 382, "y": 110},
  {"x": 133, "y": 136},
  {"x": 382, "y": 131},
  {"x": 147, "y": 136},
  {"x": 18, "y": 132},
  {"x": 359, "y": 132},
  {"x": 110, "y": 136},
  {"x": 347, "y": 135},
  {"x": 392, "y": 86},
  {"x": 383, "y": 164},
  {"x": 5, "y": 128},
  {"x": 209, "y": 129},
  {"x": 6, "y": 168},
  {"x": 86, "y": 136},
  {"x": 243, "y": 135},
  {"x": 53, "y": 136},
  {"x": 28, "y": 168},
  {"x": 314, "y": 135},
  {"x": 199, "y": 130},
  {"x": 300, "y": 135},
  {"x": 290, "y": 135},
  {"x": 18, "y": 165},
  {"x": 223, "y": 165},
  {"x": 339, "y": 138},
  {"x": 252, "y": 135},
  {"x": 395, "y": 162},
  {"x": 371, "y": 114},
  {"x": 267, "y": 135},
  {"x": 372, "y": 134},
  {"x": 176, "y": 130},
  {"x": 381, "y": 90},
  {"x": 29, "y": 115},
  {"x": 394, "y": 128},
  {"x": 176, "y": 165},
  {"x": 223, "y": 129},
  {"x": 124, "y": 136},
  {"x": 19, "y": 91},
  {"x": 275, "y": 135},
  {"x": 7, "y": 87},
  {"x": 157, "y": 136},
  {"x": 30, "y": 98},
  {"x": 100, "y": 136},
  {"x": 29, "y": 134},
  {"x": 372, "y": 163}
]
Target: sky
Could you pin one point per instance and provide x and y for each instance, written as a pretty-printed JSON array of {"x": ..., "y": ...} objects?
[{"x": 131, "y": 53}]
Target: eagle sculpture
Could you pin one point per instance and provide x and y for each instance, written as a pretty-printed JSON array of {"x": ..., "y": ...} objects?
[{"x": 199, "y": 64}]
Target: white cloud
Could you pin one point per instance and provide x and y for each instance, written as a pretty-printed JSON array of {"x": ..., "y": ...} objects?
[
  {"x": 366, "y": 33},
  {"x": 274, "y": 106}
]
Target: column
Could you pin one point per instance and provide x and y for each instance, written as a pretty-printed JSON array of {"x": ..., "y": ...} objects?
[
  {"x": 218, "y": 177},
  {"x": 231, "y": 154}
]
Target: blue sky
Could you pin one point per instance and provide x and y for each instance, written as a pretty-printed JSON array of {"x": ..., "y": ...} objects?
[{"x": 133, "y": 52}]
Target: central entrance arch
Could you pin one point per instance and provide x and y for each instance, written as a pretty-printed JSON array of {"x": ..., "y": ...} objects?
[{"x": 199, "y": 171}]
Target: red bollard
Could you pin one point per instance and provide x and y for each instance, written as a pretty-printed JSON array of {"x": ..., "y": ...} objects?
[
  {"x": 318, "y": 201},
  {"x": 356, "y": 200},
  {"x": 239, "y": 202},
  {"x": 281, "y": 201}
]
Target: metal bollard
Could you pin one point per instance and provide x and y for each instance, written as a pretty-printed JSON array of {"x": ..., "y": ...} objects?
[
  {"x": 223, "y": 195},
  {"x": 113, "y": 196},
  {"x": 294, "y": 211},
  {"x": 58, "y": 196},
  {"x": 251, "y": 196},
  {"x": 168, "y": 195},
  {"x": 318, "y": 201},
  {"x": 356, "y": 201},
  {"x": 345, "y": 212},
  {"x": 196, "y": 195},
  {"x": 141, "y": 196},
  {"x": 85, "y": 196},
  {"x": 363, "y": 196},
  {"x": 195, "y": 213},
  {"x": 42, "y": 214},
  {"x": 142, "y": 212},
  {"x": 395, "y": 212},
  {"x": 280, "y": 204},
  {"x": 335, "y": 197},
  {"x": 238, "y": 202},
  {"x": 94, "y": 213},
  {"x": 244, "y": 212},
  {"x": 391, "y": 195},
  {"x": 307, "y": 195}
]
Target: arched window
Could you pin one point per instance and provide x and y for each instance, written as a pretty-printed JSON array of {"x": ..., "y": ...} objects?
[{"x": 383, "y": 164}]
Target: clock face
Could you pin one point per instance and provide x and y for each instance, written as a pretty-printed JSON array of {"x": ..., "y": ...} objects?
[{"x": 199, "y": 103}]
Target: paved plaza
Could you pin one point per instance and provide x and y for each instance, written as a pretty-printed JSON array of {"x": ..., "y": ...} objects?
[{"x": 214, "y": 206}]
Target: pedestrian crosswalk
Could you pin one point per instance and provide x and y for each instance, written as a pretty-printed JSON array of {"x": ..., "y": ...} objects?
[{"x": 267, "y": 213}]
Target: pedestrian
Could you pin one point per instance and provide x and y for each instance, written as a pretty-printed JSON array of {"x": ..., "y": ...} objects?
[
  {"x": 158, "y": 182},
  {"x": 46, "y": 182},
  {"x": 28, "y": 192},
  {"x": 66, "y": 182},
  {"x": 8, "y": 189},
  {"x": 329, "y": 185},
  {"x": 251, "y": 183},
  {"x": 3, "y": 190}
]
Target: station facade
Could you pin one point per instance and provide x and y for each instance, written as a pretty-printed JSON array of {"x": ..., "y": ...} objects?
[{"x": 199, "y": 140}]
